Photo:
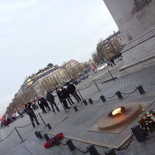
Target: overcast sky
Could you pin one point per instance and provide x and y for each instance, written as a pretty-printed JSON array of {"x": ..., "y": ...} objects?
[{"x": 34, "y": 33}]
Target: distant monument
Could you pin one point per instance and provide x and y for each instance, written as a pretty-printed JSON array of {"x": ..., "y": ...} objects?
[{"x": 136, "y": 22}]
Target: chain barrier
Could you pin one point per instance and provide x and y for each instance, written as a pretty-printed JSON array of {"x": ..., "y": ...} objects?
[
  {"x": 111, "y": 96},
  {"x": 62, "y": 143},
  {"x": 43, "y": 129},
  {"x": 7, "y": 136},
  {"x": 102, "y": 77},
  {"x": 96, "y": 101},
  {"x": 24, "y": 126},
  {"x": 86, "y": 87},
  {"x": 81, "y": 150},
  {"x": 80, "y": 105},
  {"x": 129, "y": 93},
  {"x": 126, "y": 144}
]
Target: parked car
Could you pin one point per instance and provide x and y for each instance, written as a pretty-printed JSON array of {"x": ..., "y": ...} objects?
[
  {"x": 84, "y": 76},
  {"x": 102, "y": 66}
]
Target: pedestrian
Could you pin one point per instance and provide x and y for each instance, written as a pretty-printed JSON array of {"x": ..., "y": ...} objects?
[
  {"x": 5, "y": 122},
  {"x": 50, "y": 98},
  {"x": 112, "y": 62},
  {"x": 29, "y": 111},
  {"x": 44, "y": 101},
  {"x": 34, "y": 105},
  {"x": 67, "y": 95},
  {"x": 72, "y": 90},
  {"x": 41, "y": 104},
  {"x": 62, "y": 98}
]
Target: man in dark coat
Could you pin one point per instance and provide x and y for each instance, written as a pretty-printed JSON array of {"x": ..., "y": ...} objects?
[
  {"x": 51, "y": 100},
  {"x": 72, "y": 90},
  {"x": 41, "y": 104},
  {"x": 67, "y": 95},
  {"x": 31, "y": 114},
  {"x": 63, "y": 97},
  {"x": 44, "y": 101}
]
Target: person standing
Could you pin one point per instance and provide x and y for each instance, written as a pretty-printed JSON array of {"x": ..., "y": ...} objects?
[
  {"x": 44, "y": 102},
  {"x": 51, "y": 100},
  {"x": 63, "y": 98},
  {"x": 67, "y": 95},
  {"x": 41, "y": 104},
  {"x": 31, "y": 114},
  {"x": 72, "y": 90}
]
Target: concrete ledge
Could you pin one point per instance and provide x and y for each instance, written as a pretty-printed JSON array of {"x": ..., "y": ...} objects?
[{"x": 140, "y": 62}]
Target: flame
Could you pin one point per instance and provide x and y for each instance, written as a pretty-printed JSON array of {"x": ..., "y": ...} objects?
[{"x": 117, "y": 111}]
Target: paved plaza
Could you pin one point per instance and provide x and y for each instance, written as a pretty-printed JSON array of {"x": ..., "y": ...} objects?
[{"x": 20, "y": 139}]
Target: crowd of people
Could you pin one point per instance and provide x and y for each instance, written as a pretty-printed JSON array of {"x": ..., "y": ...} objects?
[{"x": 64, "y": 95}]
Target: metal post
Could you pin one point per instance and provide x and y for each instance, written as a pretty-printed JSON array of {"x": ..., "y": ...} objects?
[
  {"x": 110, "y": 74},
  {"x": 57, "y": 142},
  {"x": 70, "y": 145},
  {"x": 75, "y": 108},
  {"x": 40, "y": 135},
  {"x": 19, "y": 135},
  {"x": 49, "y": 126},
  {"x": 85, "y": 102},
  {"x": 46, "y": 137},
  {"x": 36, "y": 133},
  {"x": 92, "y": 150},
  {"x": 90, "y": 101},
  {"x": 102, "y": 98},
  {"x": 42, "y": 119},
  {"x": 139, "y": 134},
  {"x": 96, "y": 85},
  {"x": 141, "y": 90},
  {"x": 119, "y": 95}
]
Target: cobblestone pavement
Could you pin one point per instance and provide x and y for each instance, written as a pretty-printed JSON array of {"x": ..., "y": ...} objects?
[{"x": 76, "y": 125}]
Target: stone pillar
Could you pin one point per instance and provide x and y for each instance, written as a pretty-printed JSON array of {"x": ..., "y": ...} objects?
[{"x": 136, "y": 22}]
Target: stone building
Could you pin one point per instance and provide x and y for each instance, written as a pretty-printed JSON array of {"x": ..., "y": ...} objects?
[
  {"x": 135, "y": 20},
  {"x": 48, "y": 79},
  {"x": 111, "y": 46}
]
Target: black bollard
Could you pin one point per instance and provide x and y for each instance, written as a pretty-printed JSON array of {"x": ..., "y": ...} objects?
[
  {"x": 39, "y": 135},
  {"x": 85, "y": 102},
  {"x": 36, "y": 133},
  {"x": 92, "y": 150},
  {"x": 57, "y": 142},
  {"x": 141, "y": 90},
  {"x": 75, "y": 108},
  {"x": 49, "y": 126},
  {"x": 90, "y": 101},
  {"x": 46, "y": 137},
  {"x": 139, "y": 134},
  {"x": 102, "y": 98},
  {"x": 70, "y": 145},
  {"x": 119, "y": 95},
  {"x": 110, "y": 152}
]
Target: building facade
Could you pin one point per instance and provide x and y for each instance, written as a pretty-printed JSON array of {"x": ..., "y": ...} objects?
[{"x": 135, "y": 20}]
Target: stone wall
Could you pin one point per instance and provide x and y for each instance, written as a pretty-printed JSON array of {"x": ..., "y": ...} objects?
[{"x": 136, "y": 22}]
